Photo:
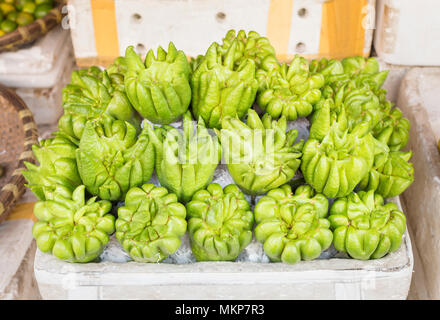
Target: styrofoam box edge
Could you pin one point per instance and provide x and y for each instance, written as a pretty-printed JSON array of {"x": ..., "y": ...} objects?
[
  {"x": 53, "y": 273},
  {"x": 42, "y": 80}
]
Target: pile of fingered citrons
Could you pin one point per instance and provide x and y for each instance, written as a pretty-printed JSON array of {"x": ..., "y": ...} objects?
[
  {"x": 102, "y": 155},
  {"x": 17, "y": 13}
]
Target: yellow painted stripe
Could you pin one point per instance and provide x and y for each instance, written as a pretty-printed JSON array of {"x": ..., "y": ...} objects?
[
  {"x": 23, "y": 211},
  {"x": 279, "y": 21},
  {"x": 342, "y": 33},
  {"x": 104, "y": 24}
]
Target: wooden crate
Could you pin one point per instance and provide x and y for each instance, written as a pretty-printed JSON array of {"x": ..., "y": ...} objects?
[{"x": 102, "y": 29}]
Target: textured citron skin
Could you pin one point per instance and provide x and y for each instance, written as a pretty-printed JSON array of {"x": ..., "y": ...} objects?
[
  {"x": 365, "y": 227},
  {"x": 220, "y": 88},
  {"x": 70, "y": 227},
  {"x": 293, "y": 226},
  {"x": 92, "y": 93},
  {"x": 57, "y": 166},
  {"x": 151, "y": 223},
  {"x": 159, "y": 87},
  {"x": 270, "y": 157},
  {"x": 112, "y": 158},
  {"x": 220, "y": 223},
  {"x": 392, "y": 173},
  {"x": 185, "y": 162},
  {"x": 289, "y": 90}
]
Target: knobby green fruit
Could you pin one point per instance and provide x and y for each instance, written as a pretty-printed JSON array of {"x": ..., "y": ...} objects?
[
  {"x": 91, "y": 94},
  {"x": 393, "y": 129},
  {"x": 365, "y": 70},
  {"x": 361, "y": 105},
  {"x": 220, "y": 223},
  {"x": 72, "y": 228},
  {"x": 290, "y": 91},
  {"x": 119, "y": 67},
  {"x": 159, "y": 87},
  {"x": 194, "y": 62},
  {"x": 358, "y": 65},
  {"x": 365, "y": 227},
  {"x": 392, "y": 173},
  {"x": 112, "y": 159},
  {"x": 335, "y": 160},
  {"x": 151, "y": 223},
  {"x": 57, "y": 166},
  {"x": 328, "y": 68},
  {"x": 293, "y": 226},
  {"x": 359, "y": 70},
  {"x": 185, "y": 162},
  {"x": 260, "y": 155},
  {"x": 251, "y": 46},
  {"x": 220, "y": 88}
]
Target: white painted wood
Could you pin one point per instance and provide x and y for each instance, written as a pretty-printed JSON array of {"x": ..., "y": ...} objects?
[
  {"x": 81, "y": 28},
  {"x": 305, "y": 29},
  {"x": 191, "y": 24}
]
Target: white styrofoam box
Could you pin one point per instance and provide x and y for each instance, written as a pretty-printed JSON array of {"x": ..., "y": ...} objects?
[
  {"x": 46, "y": 103},
  {"x": 15, "y": 240},
  {"x": 394, "y": 79},
  {"x": 334, "y": 278},
  {"x": 38, "y": 66},
  {"x": 418, "y": 99},
  {"x": 407, "y": 32},
  {"x": 23, "y": 286}
]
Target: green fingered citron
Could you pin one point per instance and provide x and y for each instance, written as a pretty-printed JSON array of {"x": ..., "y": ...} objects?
[
  {"x": 289, "y": 90},
  {"x": 335, "y": 160},
  {"x": 219, "y": 223},
  {"x": 159, "y": 87},
  {"x": 220, "y": 88},
  {"x": 185, "y": 162},
  {"x": 364, "y": 227},
  {"x": 71, "y": 227},
  {"x": 293, "y": 226},
  {"x": 151, "y": 223},
  {"x": 261, "y": 155},
  {"x": 391, "y": 175},
  {"x": 250, "y": 46},
  {"x": 91, "y": 94},
  {"x": 57, "y": 166},
  {"x": 112, "y": 158},
  {"x": 393, "y": 129}
]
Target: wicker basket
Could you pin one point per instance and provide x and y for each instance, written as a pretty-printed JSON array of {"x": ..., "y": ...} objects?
[
  {"x": 22, "y": 36},
  {"x": 18, "y": 132}
]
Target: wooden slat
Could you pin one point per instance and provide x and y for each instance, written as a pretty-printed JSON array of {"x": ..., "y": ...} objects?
[
  {"x": 105, "y": 28},
  {"x": 342, "y": 32},
  {"x": 279, "y": 21},
  {"x": 22, "y": 211}
]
